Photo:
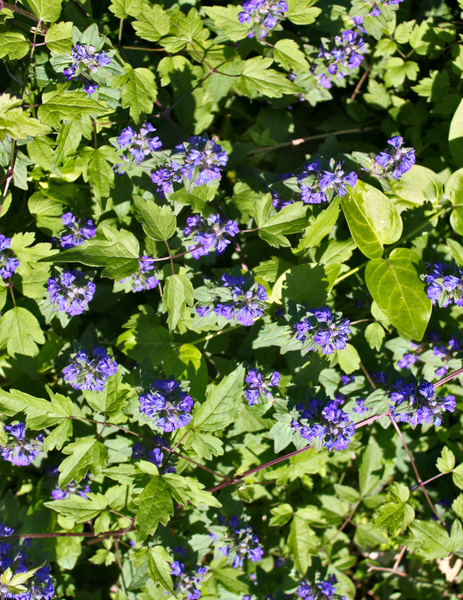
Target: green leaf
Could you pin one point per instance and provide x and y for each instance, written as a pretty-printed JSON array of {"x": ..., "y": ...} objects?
[
  {"x": 290, "y": 219},
  {"x": 310, "y": 283},
  {"x": 281, "y": 515},
  {"x": 13, "y": 45},
  {"x": 419, "y": 185},
  {"x": 122, "y": 9},
  {"x": 375, "y": 334},
  {"x": 188, "y": 363},
  {"x": 300, "y": 13},
  {"x": 428, "y": 539},
  {"x": 457, "y": 506},
  {"x": 456, "y": 136},
  {"x": 70, "y": 106},
  {"x": 457, "y": 476},
  {"x": 371, "y": 461},
  {"x": 395, "y": 516},
  {"x": 372, "y": 218},
  {"x": 32, "y": 274},
  {"x": 59, "y": 38},
  {"x": 226, "y": 19},
  {"x": 79, "y": 509},
  {"x": 145, "y": 340},
  {"x": 289, "y": 56},
  {"x": 154, "y": 506},
  {"x": 139, "y": 91},
  {"x": 187, "y": 490},
  {"x": 320, "y": 227},
  {"x": 159, "y": 222},
  {"x": 454, "y": 190},
  {"x": 258, "y": 77},
  {"x": 118, "y": 253},
  {"x": 178, "y": 294},
  {"x": 59, "y": 436},
  {"x": 46, "y": 10},
  {"x": 152, "y": 23},
  {"x": 303, "y": 543},
  {"x": 16, "y": 123},
  {"x": 159, "y": 567},
  {"x": 87, "y": 454},
  {"x": 398, "y": 290},
  {"x": 100, "y": 174},
  {"x": 204, "y": 445},
  {"x": 397, "y": 70},
  {"x": 349, "y": 359},
  {"x": 222, "y": 403},
  {"x": 41, "y": 413},
  {"x": 446, "y": 463},
  {"x": 111, "y": 399},
  {"x": 20, "y": 332}
]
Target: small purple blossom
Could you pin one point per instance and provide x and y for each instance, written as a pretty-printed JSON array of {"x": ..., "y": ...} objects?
[
  {"x": 8, "y": 261},
  {"x": 165, "y": 177},
  {"x": 239, "y": 543},
  {"x": 90, "y": 87},
  {"x": 142, "y": 280},
  {"x": 360, "y": 409},
  {"x": 155, "y": 456},
  {"x": 210, "y": 235},
  {"x": 140, "y": 145},
  {"x": 203, "y": 160},
  {"x": 82, "y": 489},
  {"x": 263, "y": 14},
  {"x": 86, "y": 57},
  {"x": 168, "y": 403},
  {"x": 186, "y": 583},
  {"x": 258, "y": 385},
  {"x": 71, "y": 292},
  {"x": 317, "y": 186},
  {"x": 445, "y": 284},
  {"x": 394, "y": 161},
  {"x": 89, "y": 370},
  {"x": 325, "y": 590},
  {"x": 325, "y": 421},
  {"x": 345, "y": 55},
  {"x": 76, "y": 233},
  {"x": 20, "y": 450},
  {"x": 322, "y": 330}
]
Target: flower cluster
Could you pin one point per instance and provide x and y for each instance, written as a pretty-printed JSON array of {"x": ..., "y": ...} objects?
[
  {"x": 444, "y": 289},
  {"x": 141, "y": 280},
  {"x": 264, "y": 13},
  {"x": 8, "y": 262},
  {"x": 209, "y": 234},
  {"x": 240, "y": 543},
  {"x": 375, "y": 6},
  {"x": 410, "y": 358},
  {"x": 21, "y": 451},
  {"x": 88, "y": 58},
  {"x": 394, "y": 161},
  {"x": 241, "y": 299},
  {"x": 168, "y": 403},
  {"x": 416, "y": 402},
  {"x": 186, "y": 582},
  {"x": 258, "y": 385},
  {"x": 155, "y": 456},
  {"x": 76, "y": 233},
  {"x": 203, "y": 160},
  {"x": 321, "y": 329},
  {"x": 71, "y": 292},
  {"x": 325, "y": 590},
  {"x": 89, "y": 370},
  {"x": 82, "y": 489},
  {"x": 38, "y": 586},
  {"x": 345, "y": 56},
  {"x": 325, "y": 421},
  {"x": 444, "y": 352},
  {"x": 140, "y": 144}
]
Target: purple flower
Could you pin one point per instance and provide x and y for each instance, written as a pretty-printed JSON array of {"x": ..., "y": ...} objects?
[
  {"x": 155, "y": 456},
  {"x": 394, "y": 161},
  {"x": 8, "y": 261},
  {"x": 337, "y": 181},
  {"x": 203, "y": 160},
  {"x": 209, "y": 234},
  {"x": 71, "y": 292},
  {"x": 407, "y": 361},
  {"x": 445, "y": 289},
  {"x": 165, "y": 177},
  {"x": 325, "y": 590},
  {"x": 186, "y": 582},
  {"x": 85, "y": 57},
  {"x": 323, "y": 329},
  {"x": 317, "y": 187},
  {"x": 326, "y": 421},
  {"x": 360, "y": 409},
  {"x": 259, "y": 386},
  {"x": 140, "y": 145},
  {"x": 77, "y": 232},
  {"x": 141, "y": 280},
  {"x": 19, "y": 450},
  {"x": 90, "y": 87},
  {"x": 265, "y": 14},
  {"x": 89, "y": 370},
  {"x": 82, "y": 489},
  {"x": 240, "y": 543},
  {"x": 166, "y": 401},
  {"x": 345, "y": 56},
  {"x": 346, "y": 379}
]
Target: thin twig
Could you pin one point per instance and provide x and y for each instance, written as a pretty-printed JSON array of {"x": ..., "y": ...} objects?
[
  {"x": 170, "y": 257},
  {"x": 448, "y": 378},
  {"x": 368, "y": 376},
  {"x": 360, "y": 83},
  {"x": 403, "y": 549},
  {"x": 80, "y": 7}
]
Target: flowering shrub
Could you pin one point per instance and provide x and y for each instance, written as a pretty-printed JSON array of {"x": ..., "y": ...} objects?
[{"x": 231, "y": 300}]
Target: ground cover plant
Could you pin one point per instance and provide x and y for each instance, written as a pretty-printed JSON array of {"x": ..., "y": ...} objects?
[{"x": 231, "y": 299}]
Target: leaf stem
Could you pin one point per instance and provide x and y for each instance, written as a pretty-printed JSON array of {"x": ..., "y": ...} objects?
[{"x": 448, "y": 378}]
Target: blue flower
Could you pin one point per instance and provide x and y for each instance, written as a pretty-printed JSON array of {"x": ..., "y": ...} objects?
[
  {"x": 325, "y": 590},
  {"x": 19, "y": 450},
  {"x": 90, "y": 87},
  {"x": 360, "y": 409},
  {"x": 240, "y": 543},
  {"x": 323, "y": 329},
  {"x": 165, "y": 177},
  {"x": 346, "y": 55},
  {"x": 71, "y": 292},
  {"x": 317, "y": 187},
  {"x": 140, "y": 145},
  {"x": 264, "y": 13},
  {"x": 186, "y": 582},
  {"x": 90, "y": 370},
  {"x": 259, "y": 386},
  {"x": 88, "y": 58},
  {"x": 394, "y": 161},
  {"x": 141, "y": 280},
  {"x": 82, "y": 489},
  {"x": 326, "y": 421},
  {"x": 155, "y": 456},
  {"x": 203, "y": 160},
  {"x": 166, "y": 401},
  {"x": 445, "y": 289},
  {"x": 8, "y": 261},
  {"x": 209, "y": 234},
  {"x": 77, "y": 232},
  {"x": 346, "y": 379}
]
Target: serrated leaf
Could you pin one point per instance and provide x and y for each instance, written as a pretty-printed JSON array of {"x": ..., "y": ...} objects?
[
  {"x": 79, "y": 509},
  {"x": 320, "y": 227},
  {"x": 20, "y": 332},
  {"x": 258, "y": 77},
  {"x": 301, "y": 13},
  {"x": 178, "y": 294},
  {"x": 226, "y": 19},
  {"x": 281, "y": 515},
  {"x": 159, "y": 567},
  {"x": 125, "y": 8},
  {"x": 87, "y": 454},
  {"x": 375, "y": 334},
  {"x": 154, "y": 506},
  {"x": 16, "y": 123},
  {"x": 159, "y": 222},
  {"x": 59, "y": 436},
  {"x": 152, "y": 23},
  {"x": 303, "y": 543},
  {"x": 446, "y": 462},
  {"x": 398, "y": 290},
  {"x": 222, "y": 403},
  {"x": 397, "y": 70},
  {"x": 59, "y": 38},
  {"x": 457, "y": 476},
  {"x": 71, "y": 106},
  {"x": 147, "y": 340},
  {"x": 395, "y": 516},
  {"x": 139, "y": 91},
  {"x": 428, "y": 539},
  {"x": 349, "y": 359},
  {"x": 288, "y": 54},
  {"x": 46, "y": 10},
  {"x": 13, "y": 45},
  {"x": 111, "y": 399}
]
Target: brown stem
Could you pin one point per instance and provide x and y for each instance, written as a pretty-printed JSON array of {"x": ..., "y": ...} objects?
[
  {"x": 80, "y": 7},
  {"x": 142, "y": 49},
  {"x": 429, "y": 480},
  {"x": 417, "y": 475},
  {"x": 368, "y": 376},
  {"x": 374, "y": 568},
  {"x": 360, "y": 83},
  {"x": 346, "y": 522},
  {"x": 170, "y": 257},
  {"x": 403, "y": 549},
  {"x": 448, "y": 378}
]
